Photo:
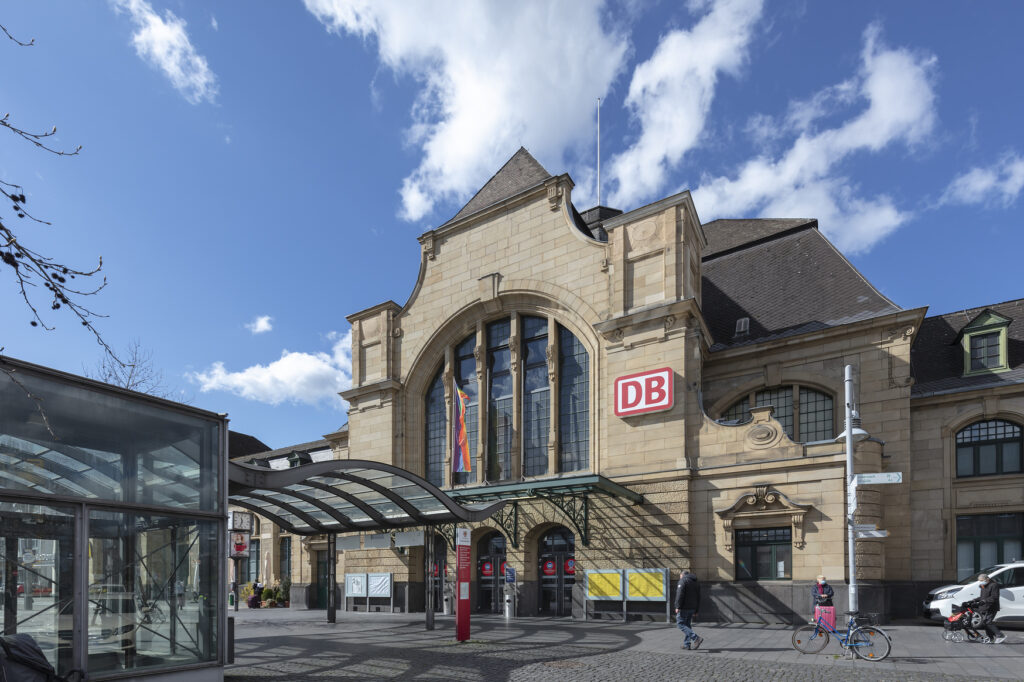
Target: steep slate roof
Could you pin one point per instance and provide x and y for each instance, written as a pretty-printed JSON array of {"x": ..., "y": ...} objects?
[
  {"x": 787, "y": 278},
  {"x": 519, "y": 173},
  {"x": 242, "y": 444},
  {"x": 937, "y": 359},
  {"x": 303, "y": 448},
  {"x": 725, "y": 235}
]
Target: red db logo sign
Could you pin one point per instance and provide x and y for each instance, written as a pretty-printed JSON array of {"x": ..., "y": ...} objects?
[{"x": 644, "y": 392}]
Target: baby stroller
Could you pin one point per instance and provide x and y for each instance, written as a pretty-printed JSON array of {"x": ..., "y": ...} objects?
[{"x": 963, "y": 624}]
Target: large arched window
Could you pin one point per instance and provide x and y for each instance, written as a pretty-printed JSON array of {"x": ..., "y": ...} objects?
[
  {"x": 810, "y": 415},
  {"x": 512, "y": 370},
  {"x": 435, "y": 433},
  {"x": 988, "y": 448}
]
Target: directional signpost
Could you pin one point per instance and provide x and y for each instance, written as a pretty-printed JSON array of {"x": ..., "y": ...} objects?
[
  {"x": 878, "y": 479},
  {"x": 865, "y": 534}
]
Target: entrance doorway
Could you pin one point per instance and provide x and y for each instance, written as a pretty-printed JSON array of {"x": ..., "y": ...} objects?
[
  {"x": 490, "y": 573},
  {"x": 320, "y": 580},
  {"x": 438, "y": 571},
  {"x": 557, "y": 571}
]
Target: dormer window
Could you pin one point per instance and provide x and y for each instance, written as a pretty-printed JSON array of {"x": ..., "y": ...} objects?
[{"x": 984, "y": 343}]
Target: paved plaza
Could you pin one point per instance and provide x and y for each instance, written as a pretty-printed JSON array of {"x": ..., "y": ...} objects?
[{"x": 284, "y": 644}]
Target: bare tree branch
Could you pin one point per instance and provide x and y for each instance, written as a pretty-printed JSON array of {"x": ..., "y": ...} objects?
[
  {"x": 134, "y": 370},
  {"x": 30, "y": 43}
]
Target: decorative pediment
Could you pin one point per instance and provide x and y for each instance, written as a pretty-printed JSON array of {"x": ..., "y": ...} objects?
[{"x": 764, "y": 502}]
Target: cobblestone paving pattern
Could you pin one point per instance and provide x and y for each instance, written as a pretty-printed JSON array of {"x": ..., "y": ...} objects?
[{"x": 377, "y": 651}]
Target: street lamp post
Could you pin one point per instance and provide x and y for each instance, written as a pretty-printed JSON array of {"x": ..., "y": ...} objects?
[{"x": 851, "y": 434}]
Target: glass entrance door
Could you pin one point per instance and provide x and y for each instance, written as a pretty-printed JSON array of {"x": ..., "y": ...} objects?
[
  {"x": 320, "y": 580},
  {"x": 557, "y": 571},
  {"x": 490, "y": 573},
  {"x": 37, "y": 581},
  {"x": 438, "y": 572}
]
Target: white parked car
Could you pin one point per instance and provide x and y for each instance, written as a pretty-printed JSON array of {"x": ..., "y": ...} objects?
[{"x": 939, "y": 602}]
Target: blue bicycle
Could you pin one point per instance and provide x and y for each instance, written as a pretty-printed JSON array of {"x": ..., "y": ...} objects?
[{"x": 866, "y": 641}]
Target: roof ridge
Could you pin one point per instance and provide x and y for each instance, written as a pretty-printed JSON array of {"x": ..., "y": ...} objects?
[{"x": 530, "y": 167}]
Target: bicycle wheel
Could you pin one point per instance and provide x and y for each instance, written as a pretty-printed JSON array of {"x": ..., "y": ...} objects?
[
  {"x": 870, "y": 643},
  {"x": 810, "y": 639},
  {"x": 948, "y": 635}
]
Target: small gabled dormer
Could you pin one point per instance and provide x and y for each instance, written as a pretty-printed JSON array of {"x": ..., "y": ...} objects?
[{"x": 983, "y": 340}]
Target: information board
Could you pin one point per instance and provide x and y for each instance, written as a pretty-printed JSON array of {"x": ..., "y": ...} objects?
[
  {"x": 646, "y": 584},
  {"x": 355, "y": 584},
  {"x": 378, "y": 584},
  {"x": 604, "y": 584}
]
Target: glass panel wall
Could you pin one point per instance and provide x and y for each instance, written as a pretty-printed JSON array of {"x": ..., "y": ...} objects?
[
  {"x": 38, "y": 571},
  {"x": 435, "y": 435},
  {"x": 135, "y": 520},
  {"x": 137, "y": 564},
  {"x": 499, "y": 419}
]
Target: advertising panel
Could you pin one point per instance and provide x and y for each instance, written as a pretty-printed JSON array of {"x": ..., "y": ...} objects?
[
  {"x": 604, "y": 584},
  {"x": 238, "y": 545},
  {"x": 355, "y": 584},
  {"x": 378, "y": 584},
  {"x": 646, "y": 584}
]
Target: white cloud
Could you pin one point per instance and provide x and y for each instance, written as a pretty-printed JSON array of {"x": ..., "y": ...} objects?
[
  {"x": 164, "y": 44},
  {"x": 671, "y": 93},
  {"x": 999, "y": 184},
  {"x": 213, "y": 23},
  {"x": 260, "y": 325},
  {"x": 309, "y": 378},
  {"x": 492, "y": 77},
  {"x": 805, "y": 181}
]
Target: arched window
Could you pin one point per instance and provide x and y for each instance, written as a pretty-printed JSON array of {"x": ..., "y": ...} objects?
[
  {"x": 435, "y": 432},
  {"x": 465, "y": 377},
  {"x": 573, "y": 402},
  {"x": 811, "y": 415},
  {"x": 988, "y": 448},
  {"x": 514, "y": 384}
]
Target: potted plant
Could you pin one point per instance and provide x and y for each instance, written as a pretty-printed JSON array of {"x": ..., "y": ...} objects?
[{"x": 286, "y": 590}]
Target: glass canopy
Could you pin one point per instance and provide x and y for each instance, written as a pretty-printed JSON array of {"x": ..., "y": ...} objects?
[{"x": 341, "y": 496}]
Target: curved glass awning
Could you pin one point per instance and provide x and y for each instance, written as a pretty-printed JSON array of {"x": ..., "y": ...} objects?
[{"x": 346, "y": 495}]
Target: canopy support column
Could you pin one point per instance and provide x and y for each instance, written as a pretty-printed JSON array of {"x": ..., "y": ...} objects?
[
  {"x": 332, "y": 577},
  {"x": 428, "y": 576}
]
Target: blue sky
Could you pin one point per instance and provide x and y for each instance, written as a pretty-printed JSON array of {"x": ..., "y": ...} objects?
[{"x": 252, "y": 173}]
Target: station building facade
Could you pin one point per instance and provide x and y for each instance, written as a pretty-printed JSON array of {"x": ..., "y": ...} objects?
[{"x": 535, "y": 310}]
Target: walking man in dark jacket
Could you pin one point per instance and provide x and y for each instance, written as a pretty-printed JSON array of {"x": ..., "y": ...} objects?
[
  {"x": 989, "y": 607},
  {"x": 687, "y": 604}
]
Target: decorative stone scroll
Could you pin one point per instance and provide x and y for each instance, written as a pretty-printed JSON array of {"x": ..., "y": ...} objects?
[{"x": 764, "y": 502}]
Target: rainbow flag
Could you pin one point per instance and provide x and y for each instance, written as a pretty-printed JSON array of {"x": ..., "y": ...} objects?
[{"x": 461, "y": 462}]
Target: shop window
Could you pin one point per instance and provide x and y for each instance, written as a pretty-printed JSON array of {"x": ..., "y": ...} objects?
[
  {"x": 435, "y": 432},
  {"x": 983, "y": 540},
  {"x": 764, "y": 554},
  {"x": 807, "y": 419},
  {"x": 989, "y": 448},
  {"x": 253, "y": 564},
  {"x": 536, "y": 396}
]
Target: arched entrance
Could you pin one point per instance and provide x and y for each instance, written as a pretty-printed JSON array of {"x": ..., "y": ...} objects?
[
  {"x": 556, "y": 551},
  {"x": 490, "y": 572}
]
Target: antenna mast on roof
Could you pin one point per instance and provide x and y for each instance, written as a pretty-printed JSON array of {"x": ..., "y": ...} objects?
[{"x": 598, "y": 151}]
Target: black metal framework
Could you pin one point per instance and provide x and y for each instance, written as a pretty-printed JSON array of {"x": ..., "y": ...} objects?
[
  {"x": 508, "y": 519},
  {"x": 499, "y": 401},
  {"x": 360, "y": 496},
  {"x": 568, "y": 495},
  {"x": 465, "y": 378},
  {"x": 573, "y": 403},
  {"x": 989, "y": 448}
]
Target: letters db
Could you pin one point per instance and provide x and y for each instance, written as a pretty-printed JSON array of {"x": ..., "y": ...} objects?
[{"x": 650, "y": 391}]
